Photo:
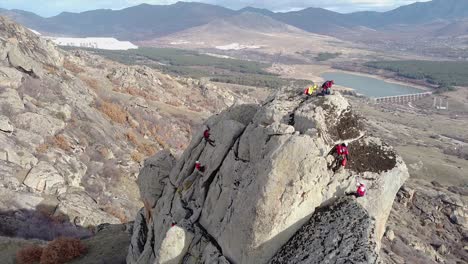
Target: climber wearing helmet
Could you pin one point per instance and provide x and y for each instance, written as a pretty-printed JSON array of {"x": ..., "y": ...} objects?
[
  {"x": 206, "y": 136},
  {"x": 341, "y": 154},
  {"x": 360, "y": 191},
  {"x": 326, "y": 86}
]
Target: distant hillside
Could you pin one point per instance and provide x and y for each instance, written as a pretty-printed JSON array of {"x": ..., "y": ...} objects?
[
  {"x": 252, "y": 22},
  {"x": 145, "y": 21},
  {"x": 134, "y": 23}
]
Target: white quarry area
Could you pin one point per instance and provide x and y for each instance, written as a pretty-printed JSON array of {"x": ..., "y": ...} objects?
[
  {"x": 237, "y": 46},
  {"x": 95, "y": 43}
]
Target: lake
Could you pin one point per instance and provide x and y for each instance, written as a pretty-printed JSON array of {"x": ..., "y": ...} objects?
[{"x": 369, "y": 86}]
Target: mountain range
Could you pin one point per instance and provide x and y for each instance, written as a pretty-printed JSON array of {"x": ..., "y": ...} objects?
[{"x": 146, "y": 21}]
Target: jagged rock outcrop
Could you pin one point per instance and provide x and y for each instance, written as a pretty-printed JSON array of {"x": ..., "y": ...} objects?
[
  {"x": 262, "y": 181},
  {"x": 340, "y": 233},
  {"x": 25, "y": 51}
]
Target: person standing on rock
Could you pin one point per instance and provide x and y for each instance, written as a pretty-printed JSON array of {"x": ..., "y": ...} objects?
[
  {"x": 206, "y": 136},
  {"x": 341, "y": 154},
  {"x": 326, "y": 87}
]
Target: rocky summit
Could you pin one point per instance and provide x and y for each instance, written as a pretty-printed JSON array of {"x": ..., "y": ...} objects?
[{"x": 265, "y": 180}]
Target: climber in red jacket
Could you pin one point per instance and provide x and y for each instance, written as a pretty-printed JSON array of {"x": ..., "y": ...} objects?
[
  {"x": 206, "y": 136},
  {"x": 360, "y": 191},
  {"x": 199, "y": 167},
  {"x": 326, "y": 86},
  {"x": 341, "y": 154}
]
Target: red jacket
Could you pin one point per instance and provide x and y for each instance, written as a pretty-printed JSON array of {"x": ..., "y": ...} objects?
[
  {"x": 327, "y": 85},
  {"x": 206, "y": 134},
  {"x": 342, "y": 150},
  {"x": 361, "y": 190}
]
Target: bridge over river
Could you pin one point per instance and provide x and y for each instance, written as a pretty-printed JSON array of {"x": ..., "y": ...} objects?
[{"x": 399, "y": 99}]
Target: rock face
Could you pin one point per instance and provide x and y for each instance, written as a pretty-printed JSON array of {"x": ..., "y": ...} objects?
[
  {"x": 45, "y": 178},
  {"x": 263, "y": 180},
  {"x": 340, "y": 233}
]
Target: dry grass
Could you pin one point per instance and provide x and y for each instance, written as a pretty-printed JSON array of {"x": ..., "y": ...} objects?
[
  {"x": 29, "y": 255},
  {"x": 174, "y": 103},
  {"x": 62, "y": 250},
  {"x": 115, "y": 112},
  {"x": 59, "y": 251},
  {"x": 137, "y": 156},
  {"x": 50, "y": 69},
  {"x": 141, "y": 93},
  {"x": 61, "y": 142},
  {"x": 118, "y": 213},
  {"x": 72, "y": 67},
  {"x": 147, "y": 149},
  {"x": 104, "y": 151},
  {"x": 42, "y": 148},
  {"x": 92, "y": 83},
  {"x": 131, "y": 137}
]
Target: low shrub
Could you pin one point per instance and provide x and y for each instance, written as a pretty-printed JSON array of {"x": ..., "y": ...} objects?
[
  {"x": 137, "y": 156},
  {"x": 72, "y": 67},
  {"x": 61, "y": 141},
  {"x": 91, "y": 83},
  {"x": 113, "y": 111},
  {"x": 29, "y": 255},
  {"x": 62, "y": 250}
]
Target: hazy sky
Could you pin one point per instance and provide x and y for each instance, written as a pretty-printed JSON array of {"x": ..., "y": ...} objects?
[{"x": 53, "y": 7}]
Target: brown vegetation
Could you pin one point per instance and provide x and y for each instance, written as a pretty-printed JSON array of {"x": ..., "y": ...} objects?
[
  {"x": 59, "y": 251},
  {"x": 113, "y": 111},
  {"x": 62, "y": 250},
  {"x": 137, "y": 156},
  {"x": 29, "y": 255},
  {"x": 91, "y": 83},
  {"x": 131, "y": 137},
  {"x": 117, "y": 212},
  {"x": 42, "y": 148},
  {"x": 72, "y": 67},
  {"x": 147, "y": 149},
  {"x": 61, "y": 142},
  {"x": 50, "y": 69}
]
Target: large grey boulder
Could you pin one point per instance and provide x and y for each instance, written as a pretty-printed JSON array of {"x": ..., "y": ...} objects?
[
  {"x": 340, "y": 233},
  {"x": 10, "y": 77},
  {"x": 151, "y": 179},
  {"x": 43, "y": 125},
  {"x": 265, "y": 177},
  {"x": 10, "y": 102},
  {"x": 5, "y": 124},
  {"x": 82, "y": 210},
  {"x": 45, "y": 178},
  {"x": 12, "y": 152},
  {"x": 23, "y": 50}
]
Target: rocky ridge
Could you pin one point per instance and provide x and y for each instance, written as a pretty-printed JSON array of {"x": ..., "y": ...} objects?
[
  {"x": 262, "y": 181},
  {"x": 75, "y": 128}
]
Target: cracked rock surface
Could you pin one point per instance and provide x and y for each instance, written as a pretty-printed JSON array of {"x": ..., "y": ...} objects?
[
  {"x": 263, "y": 180},
  {"x": 340, "y": 233}
]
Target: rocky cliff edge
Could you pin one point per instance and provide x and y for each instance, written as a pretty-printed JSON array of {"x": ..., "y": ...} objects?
[{"x": 262, "y": 181}]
